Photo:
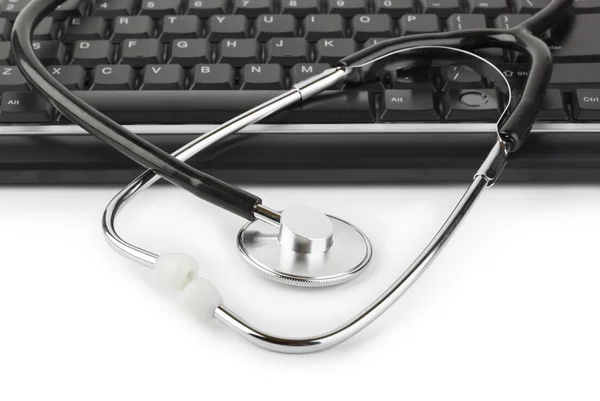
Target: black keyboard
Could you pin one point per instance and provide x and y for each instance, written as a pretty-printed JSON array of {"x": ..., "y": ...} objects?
[{"x": 173, "y": 69}]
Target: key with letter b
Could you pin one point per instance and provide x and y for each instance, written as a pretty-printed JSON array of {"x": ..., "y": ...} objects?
[{"x": 213, "y": 77}]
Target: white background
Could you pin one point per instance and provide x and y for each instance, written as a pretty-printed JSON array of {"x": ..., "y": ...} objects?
[{"x": 509, "y": 311}]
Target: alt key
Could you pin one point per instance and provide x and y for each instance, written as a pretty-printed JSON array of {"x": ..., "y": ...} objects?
[{"x": 25, "y": 107}]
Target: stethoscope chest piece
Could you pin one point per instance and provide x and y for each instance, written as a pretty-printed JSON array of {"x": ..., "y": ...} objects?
[{"x": 307, "y": 248}]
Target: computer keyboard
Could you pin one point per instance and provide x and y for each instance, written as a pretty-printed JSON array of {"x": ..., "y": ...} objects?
[{"x": 172, "y": 69}]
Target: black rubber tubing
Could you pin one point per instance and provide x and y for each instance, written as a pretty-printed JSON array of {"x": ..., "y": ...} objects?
[{"x": 136, "y": 148}]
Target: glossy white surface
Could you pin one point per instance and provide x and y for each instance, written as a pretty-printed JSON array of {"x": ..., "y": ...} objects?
[{"x": 508, "y": 311}]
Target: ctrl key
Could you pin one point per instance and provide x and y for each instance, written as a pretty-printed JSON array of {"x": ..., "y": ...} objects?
[
  {"x": 25, "y": 107},
  {"x": 586, "y": 104}
]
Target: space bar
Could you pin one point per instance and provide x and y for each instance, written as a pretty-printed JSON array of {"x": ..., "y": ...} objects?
[{"x": 215, "y": 107}]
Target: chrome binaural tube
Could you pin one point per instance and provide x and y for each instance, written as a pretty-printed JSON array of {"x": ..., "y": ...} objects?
[{"x": 485, "y": 177}]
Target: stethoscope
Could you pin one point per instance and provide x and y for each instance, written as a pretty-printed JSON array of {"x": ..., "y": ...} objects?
[{"x": 299, "y": 245}]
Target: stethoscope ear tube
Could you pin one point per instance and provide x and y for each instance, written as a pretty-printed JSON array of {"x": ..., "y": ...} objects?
[{"x": 136, "y": 148}]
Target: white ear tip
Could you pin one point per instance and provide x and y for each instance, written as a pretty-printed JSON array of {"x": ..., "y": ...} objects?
[
  {"x": 175, "y": 270},
  {"x": 201, "y": 298}
]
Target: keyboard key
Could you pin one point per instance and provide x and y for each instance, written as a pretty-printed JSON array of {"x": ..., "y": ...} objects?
[
  {"x": 275, "y": 26},
  {"x": 407, "y": 105},
  {"x": 47, "y": 29},
  {"x": 50, "y": 51},
  {"x": 156, "y": 9},
  {"x": 303, "y": 71},
  {"x": 135, "y": 27},
  {"x": 395, "y": 8},
  {"x": 329, "y": 107},
  {"x": 253, "y": 8},
  {"x": 412, "y": 78},
  {"x": 189, "y": 52},
  {"x": 238, "y": 52},
  {"x": 323, "y": 26},
  {"x": 585, "y": 6},
  {"x": 70, "y": 76},
  {"x": 109, "y": 9},
  {"x": 179, "y": 27},
  {"x": 460, "y": 77},
  {"x": 553, "y": 107},
  {"x": 287, "y": 51},
  {"x": 507, "y": 21},
  {"x": 206, "y": 8},
  {"x": 213, "y": 77},
  {"x": 415, "y": 24},
  {"x": 347, "y": 8},
  {"x": 569, "y": 77},
  {"x": 163, "y": 77},
  {"x": 459, "y": 22},
  {"x": 10, "y": 9},
  {"x": 299, "y": 8},
  {"x": 489, "y": 8},
  {"x": 573, "y": 39},
  {"x": 441, "y": 8},
  {"x": 515, "y": 74},
  {"x": 330, "y": 51},
  {"x": 213, "y": 107},
  {"x": 113, "y": 77},
  {"x": 141, "y": 52},
  {"x": 374, "y": 41},
  {"x": 227, "y": 26},
  {"x": 367, "y": 26},
  {"x": 5, "y": 27},
  {"x": 87, "y": 28},
  {"x": 586, "y": 105},
  {"x": 91, "y": 53},
  {"x": 262, "y": 76},
  {"x": 471, "y": 105},
  {"x": 530, "y": 6},
  {"x": 5, "y": 53},
  {"x": 69, "y": 9},
  {"x": 11, "y": 79},
  {"x": 25, "y": 107}
]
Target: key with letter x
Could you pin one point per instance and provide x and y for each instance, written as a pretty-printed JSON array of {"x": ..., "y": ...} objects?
[{"x": 70, "y": 76}]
